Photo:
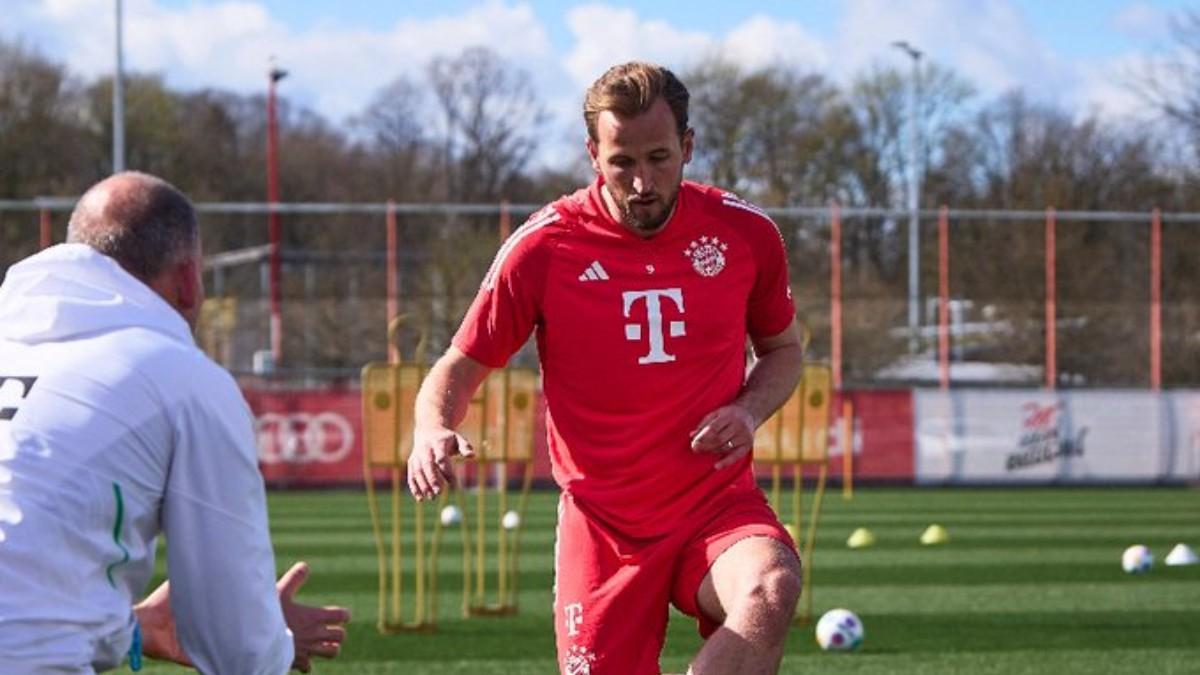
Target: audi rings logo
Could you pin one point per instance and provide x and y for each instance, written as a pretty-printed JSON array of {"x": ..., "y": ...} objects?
[{"x": 303, "y": 438}]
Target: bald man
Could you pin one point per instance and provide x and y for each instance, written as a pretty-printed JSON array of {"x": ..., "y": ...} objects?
[{"x": 115, "y": 428}]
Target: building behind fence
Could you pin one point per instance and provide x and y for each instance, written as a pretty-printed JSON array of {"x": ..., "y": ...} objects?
[{"x": 1067, "y": 299}]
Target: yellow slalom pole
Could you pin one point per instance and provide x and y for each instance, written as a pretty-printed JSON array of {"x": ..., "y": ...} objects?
[
  {"x": 419, "y": 571},
  {"x": 810, "y": 545},
  {"x": 381, "y": 557},
  {"x": 397, "y": 577},
  {"x": 502, "y": 489}
]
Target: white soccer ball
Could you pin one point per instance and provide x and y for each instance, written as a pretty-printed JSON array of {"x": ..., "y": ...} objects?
[
  {"x": 1137, "y": 559},
  {"x": 510, "y": 521},
  {"x": 451, "y": 515},
  {"x": 839, "y": 630}
]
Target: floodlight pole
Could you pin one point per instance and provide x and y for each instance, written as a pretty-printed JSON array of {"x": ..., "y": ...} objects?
[
  {"x": 118, "y": 102},
  {"x": 274, "y": 232},
  {"x": 914, "y": 199}
]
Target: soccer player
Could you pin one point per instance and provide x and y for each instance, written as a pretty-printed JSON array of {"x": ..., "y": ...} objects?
[
  {"x": 115, "y": 428},
  {"x": 642, "y": 290}
]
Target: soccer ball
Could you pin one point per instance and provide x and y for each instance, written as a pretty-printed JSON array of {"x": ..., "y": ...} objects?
[
  {"x": 511, "y": 520},
  {"x": 451, "y": 515},
  {"x": 1137, "y": 559},
  {"x": 839, "y": 630}
]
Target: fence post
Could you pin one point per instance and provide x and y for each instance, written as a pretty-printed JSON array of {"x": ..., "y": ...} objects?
[
  {"x": 1051, "y": 295},
  {"x": 835, "y": 294},
  {"x": 44, "y": 226},
  {"x": 944, "y": 296},
  {"x": 393, "y": 278},
  {"x": 1156, "y": 299}
]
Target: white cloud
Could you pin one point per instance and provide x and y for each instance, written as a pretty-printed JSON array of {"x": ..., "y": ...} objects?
[
  {"x": 336, "y": 68},
  {"x": 1142, "y": 21},
  {"x": 994, "y": 46},
  {"x": 1105, "y": 88},
  {"x": 606, "y": 35},
  {"x": 763, "y": 41},
  {"x": 227, "y": 44},
  {"x": 988, "y": 41}
]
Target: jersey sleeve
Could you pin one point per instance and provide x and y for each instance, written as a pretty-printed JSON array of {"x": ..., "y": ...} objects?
[
  {"x": 219, "y": 556},
  {"x": 508, "y": 304},
  {"x": 770, "y": 309}
]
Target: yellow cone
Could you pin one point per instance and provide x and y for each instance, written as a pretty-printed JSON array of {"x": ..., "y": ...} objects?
[
  {"x": 935, "y": 534},
  {"x": 793, "y": 533},
  {"x": 861, "y": 538}
]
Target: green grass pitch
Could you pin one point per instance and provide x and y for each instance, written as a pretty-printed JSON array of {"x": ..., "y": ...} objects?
[{"x": 1030, "y": 582}]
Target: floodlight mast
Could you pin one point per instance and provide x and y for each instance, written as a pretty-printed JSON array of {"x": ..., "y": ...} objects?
[
  {"x": 274, "y": 231},
  {"x": 914, "y": 192},
  {"x": 118, "y": 101}
]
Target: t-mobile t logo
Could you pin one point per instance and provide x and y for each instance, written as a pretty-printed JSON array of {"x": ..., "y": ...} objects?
[
  {"x": 654, "y": 321},
  {"x": 573, "y": 615}
]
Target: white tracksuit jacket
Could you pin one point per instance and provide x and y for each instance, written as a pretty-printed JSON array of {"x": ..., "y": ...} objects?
[{"x": 114, "y": 428}]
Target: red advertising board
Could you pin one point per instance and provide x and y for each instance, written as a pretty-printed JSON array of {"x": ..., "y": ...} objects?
[
  {"x": 314, "y": 437},
  {"x": 883, "y": 427},
  {"x": 308, "y": 437}
]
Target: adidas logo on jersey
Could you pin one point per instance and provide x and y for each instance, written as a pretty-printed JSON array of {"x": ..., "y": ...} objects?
[{"x": 594, "y": 272}]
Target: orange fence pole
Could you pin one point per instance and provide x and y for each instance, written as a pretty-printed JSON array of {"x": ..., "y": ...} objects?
[
  {"x": 44, "y": 224},
  {"x": 505, "y": 220},
  {"x": 1051, "y": 295},
  {"x": 835, "y": 295},
  {"x": 944, "y": 296},
  {"x": 1156, "y": 299},
  {"x": 393, "y": 278}
]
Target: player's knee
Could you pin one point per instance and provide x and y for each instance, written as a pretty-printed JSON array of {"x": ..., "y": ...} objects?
[
  {"x": 773, "y": 594},
  {"x": 783, "y": 585}
]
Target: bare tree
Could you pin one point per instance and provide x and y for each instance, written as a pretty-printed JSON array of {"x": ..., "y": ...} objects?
[
  {"x": 1172, "y": 84},
  {"x": 774, "y": 134},
  {"x": 396, "y": 143},
  {"x": 491, "y": 120},
  {"x": 46, "y": 143}
]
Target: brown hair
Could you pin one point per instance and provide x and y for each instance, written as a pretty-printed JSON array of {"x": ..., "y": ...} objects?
[{"x": 630, "y": 89}]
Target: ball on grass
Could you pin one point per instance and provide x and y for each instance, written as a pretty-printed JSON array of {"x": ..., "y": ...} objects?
[
  {"x": 511, "y": 520},
  {"x": 451, "y": 515},
  {"x": 839, "y": 630},
  {"x": 1137, "y": 559}
]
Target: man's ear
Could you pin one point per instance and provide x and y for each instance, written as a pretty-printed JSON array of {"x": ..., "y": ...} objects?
[
  {"x": 594, "y": 154},
  {"x": 687, "y": 144},
  {"x": 187, "y": 280}
]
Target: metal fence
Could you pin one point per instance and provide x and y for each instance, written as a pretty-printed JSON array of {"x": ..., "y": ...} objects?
[{"x": 1006, "y": 298}]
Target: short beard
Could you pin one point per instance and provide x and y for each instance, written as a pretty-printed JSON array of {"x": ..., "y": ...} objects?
[{"x": 652, "y": 225}]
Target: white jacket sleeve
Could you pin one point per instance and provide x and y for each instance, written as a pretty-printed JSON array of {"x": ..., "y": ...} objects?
[{"x": 219, "y": 556}]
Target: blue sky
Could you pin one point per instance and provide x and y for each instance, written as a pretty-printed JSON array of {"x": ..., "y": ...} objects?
[
  {"x": 1075, "y": 53},
  {"x": 1082, "y": 27}
]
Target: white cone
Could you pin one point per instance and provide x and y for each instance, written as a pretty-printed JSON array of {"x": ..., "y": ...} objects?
[{"x": 1182, "y": 554}]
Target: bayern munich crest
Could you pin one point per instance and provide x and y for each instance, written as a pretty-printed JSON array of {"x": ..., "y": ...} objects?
[
  {"x": 579, "y": 661},
  {"x": 707, "y": 255}
]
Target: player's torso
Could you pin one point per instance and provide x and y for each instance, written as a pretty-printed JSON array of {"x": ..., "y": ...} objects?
[{"x": 640, "y": 333}]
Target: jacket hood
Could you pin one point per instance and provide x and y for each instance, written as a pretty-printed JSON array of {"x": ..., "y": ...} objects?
[{"x": 71, "y": 290}]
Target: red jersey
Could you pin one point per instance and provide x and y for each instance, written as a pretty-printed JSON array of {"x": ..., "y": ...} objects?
[{"x": 638, "y": 340}]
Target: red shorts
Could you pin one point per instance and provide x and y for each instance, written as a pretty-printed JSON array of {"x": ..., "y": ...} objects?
[{"x": 611, "y": 599}]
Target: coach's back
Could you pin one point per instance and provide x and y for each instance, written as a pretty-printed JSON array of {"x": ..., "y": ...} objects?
[{"x": 115, "y": 427}]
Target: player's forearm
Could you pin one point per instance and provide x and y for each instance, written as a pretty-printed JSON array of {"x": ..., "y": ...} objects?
[
  {"x": 446, "y": 392},
  {"x": 772, "y": 380}
]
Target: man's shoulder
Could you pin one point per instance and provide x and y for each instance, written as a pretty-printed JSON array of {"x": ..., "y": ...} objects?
[
  {"x": 175, "y": 365},
  {"x": 728, "y": 207},
  {"x": 551, "y": 221}
]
